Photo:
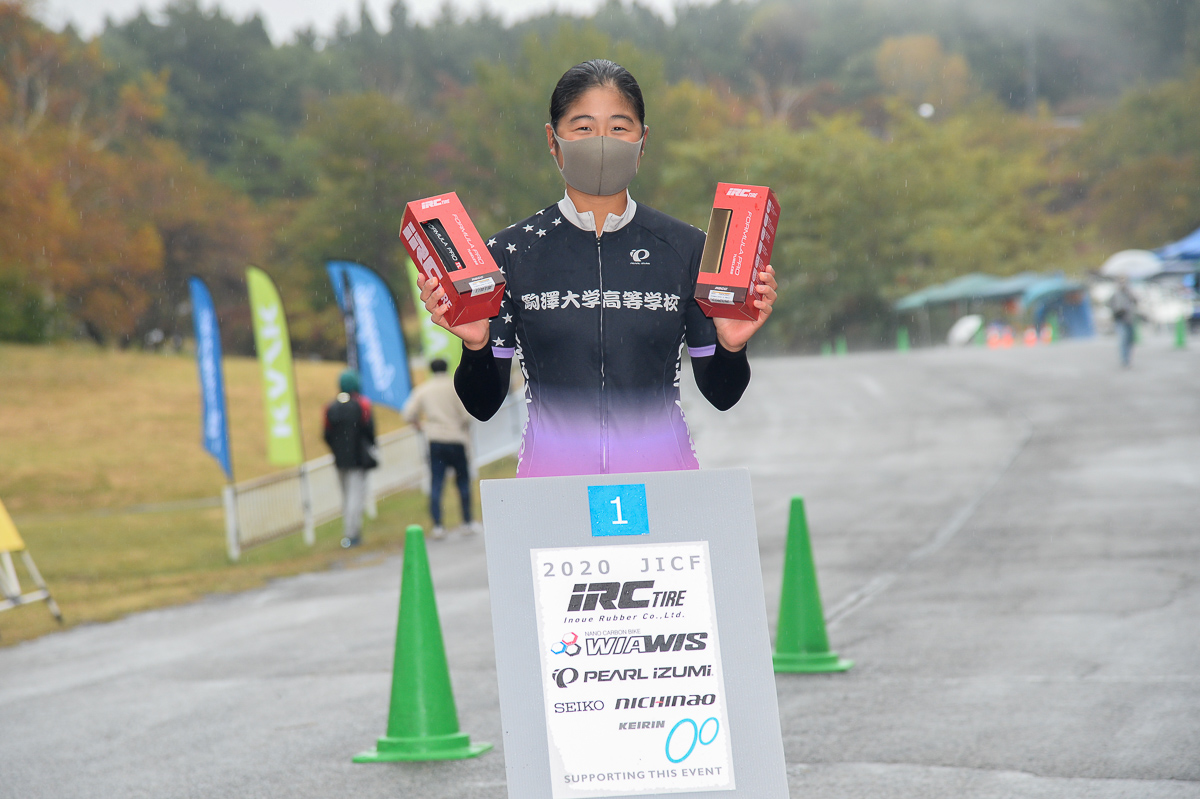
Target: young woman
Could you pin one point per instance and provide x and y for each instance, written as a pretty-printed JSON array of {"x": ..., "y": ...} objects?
[{"x": 599, "y": 304}]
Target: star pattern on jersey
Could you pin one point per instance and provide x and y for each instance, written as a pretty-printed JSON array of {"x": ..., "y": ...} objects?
[
  {"x": 508, "y": 319},
  {"x": 539, "y": 213},
  {"x": 497, "y": 342},
  {"x": 557, "y": 222},
  {"x": 528, "y": 228},
  {"x": 491, "y": 242},
  {"x": 511, "y": 248},
  {"x": 541, "y": 232}
]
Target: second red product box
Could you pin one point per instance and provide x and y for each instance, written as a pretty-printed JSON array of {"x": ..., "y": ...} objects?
[
  {"x": 741, "y": 234},
  {"x": 446, "y": 247}
]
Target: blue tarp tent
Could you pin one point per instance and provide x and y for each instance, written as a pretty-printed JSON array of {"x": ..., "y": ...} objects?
[
  {"x": 1067, "y": 298},
  {"x": 1041, "y": 293},
  {"x": 1186, "y": 249}
]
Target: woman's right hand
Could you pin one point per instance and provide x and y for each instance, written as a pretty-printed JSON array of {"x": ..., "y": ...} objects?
[{"x": 473, "y": 334}]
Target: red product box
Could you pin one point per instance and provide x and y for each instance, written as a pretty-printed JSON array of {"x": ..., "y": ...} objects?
[
  {"x": 741, "y": 233},
  {"x": 446, "y": 247}
]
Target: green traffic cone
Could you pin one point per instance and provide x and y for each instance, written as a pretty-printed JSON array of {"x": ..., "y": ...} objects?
[
  {"x": 801, "y": 644},
  {"x": 422, "y": 721},
  {"x": 902, "y": 339},
  {"x": 839, "y": 346},
  {"x": 1180, "y": 334}
]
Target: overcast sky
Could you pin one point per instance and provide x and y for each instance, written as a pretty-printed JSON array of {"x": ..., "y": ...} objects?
[{"x": 285, "y": 16}]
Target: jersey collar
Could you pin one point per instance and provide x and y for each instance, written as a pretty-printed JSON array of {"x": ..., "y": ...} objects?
[{"x": 587, "y": 221}]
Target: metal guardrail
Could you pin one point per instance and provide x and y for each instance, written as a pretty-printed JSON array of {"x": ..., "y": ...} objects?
[{"x": 300, "y": 498}]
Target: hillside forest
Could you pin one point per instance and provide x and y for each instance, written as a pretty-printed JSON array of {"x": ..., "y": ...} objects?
[{"x": 909, "y": 141}]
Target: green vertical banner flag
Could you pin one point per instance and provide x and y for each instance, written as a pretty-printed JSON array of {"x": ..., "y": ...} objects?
[
  {"x": 284, "y": 447},
  {"x": 436, "y": 342}
]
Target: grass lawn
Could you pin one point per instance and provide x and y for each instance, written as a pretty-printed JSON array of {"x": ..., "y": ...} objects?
[{"x": 86, "y": 433}]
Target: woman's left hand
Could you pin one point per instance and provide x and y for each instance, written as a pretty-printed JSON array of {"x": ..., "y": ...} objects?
[{"x": 734, "y": 333}]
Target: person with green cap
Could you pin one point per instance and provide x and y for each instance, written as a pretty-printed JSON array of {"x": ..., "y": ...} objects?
[{"x": 350, "y": 434}]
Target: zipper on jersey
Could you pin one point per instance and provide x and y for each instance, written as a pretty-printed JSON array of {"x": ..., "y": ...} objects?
[{"x": 603, "y": 393}]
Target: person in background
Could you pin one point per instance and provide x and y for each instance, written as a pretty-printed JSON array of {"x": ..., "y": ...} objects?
[
  {"x": 435, "y": 409},
  {"x": 350, "y": 434},
  {"x": 1124, "y": 310}
]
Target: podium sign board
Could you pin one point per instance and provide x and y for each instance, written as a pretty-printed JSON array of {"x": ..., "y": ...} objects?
[{"x": 632, "y": 648}]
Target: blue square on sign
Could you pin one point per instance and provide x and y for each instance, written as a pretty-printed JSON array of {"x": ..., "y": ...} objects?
[{"x": 618, "y": 510}]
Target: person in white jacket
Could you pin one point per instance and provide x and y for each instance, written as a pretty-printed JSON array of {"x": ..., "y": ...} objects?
[{"x": 435, "y": 409}]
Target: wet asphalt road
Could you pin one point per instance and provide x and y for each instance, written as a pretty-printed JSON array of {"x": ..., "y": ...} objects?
[{"x": 1008, "y": 545}]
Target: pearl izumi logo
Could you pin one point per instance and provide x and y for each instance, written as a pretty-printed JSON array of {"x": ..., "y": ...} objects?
[
  {"x": 564, "y": 677},
  {"x": 736, "y": 192},
  {"x": 611, "y": 596},
  {"x": 639, "y": 256}
]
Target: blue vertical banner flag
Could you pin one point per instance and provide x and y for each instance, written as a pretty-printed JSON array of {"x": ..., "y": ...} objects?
[
  {"x": 214, "y": 418},
  {"x": 382, "y": 359}
]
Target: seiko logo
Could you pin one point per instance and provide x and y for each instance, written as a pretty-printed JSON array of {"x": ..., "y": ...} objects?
[
  {"x": 736, "y": 192},
  {"x": 639, "y": 256},
  {"x": 434, "y": 203},
  {"x": 578, "y": 707},
  {"x": 624, "y": 645}
]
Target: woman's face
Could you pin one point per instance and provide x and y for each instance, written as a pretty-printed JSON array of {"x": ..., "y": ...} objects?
[{"x": 600, "y": 111}]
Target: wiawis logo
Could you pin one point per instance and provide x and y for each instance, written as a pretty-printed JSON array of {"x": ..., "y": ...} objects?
[
  {"x": 613, "y": 596},
  {"x": 569, "y": 646},
  {"x": 627, "y": 644}
]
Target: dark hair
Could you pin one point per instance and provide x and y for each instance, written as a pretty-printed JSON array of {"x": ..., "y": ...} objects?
[
  {"x": 588, "y": 75},
  {"x": 438, "y": 365}
]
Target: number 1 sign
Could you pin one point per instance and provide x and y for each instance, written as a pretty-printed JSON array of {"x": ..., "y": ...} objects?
[
  {"x": 618, "y": 509},
  {"x": 632, "y": 649}
]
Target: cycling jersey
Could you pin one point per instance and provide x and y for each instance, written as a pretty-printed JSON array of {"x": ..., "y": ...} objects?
[{"x": 599, "y": 325}]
